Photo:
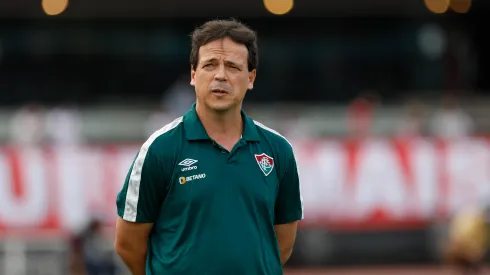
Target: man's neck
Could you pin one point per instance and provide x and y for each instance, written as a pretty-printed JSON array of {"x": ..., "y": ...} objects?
[{"x": 221, "y": 124}]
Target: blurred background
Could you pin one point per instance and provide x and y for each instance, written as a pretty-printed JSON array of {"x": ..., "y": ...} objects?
[{"x": 385, "y": 101}]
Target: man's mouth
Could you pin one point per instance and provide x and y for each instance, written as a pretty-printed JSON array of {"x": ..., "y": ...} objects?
[{"x": 219, "y": 91}]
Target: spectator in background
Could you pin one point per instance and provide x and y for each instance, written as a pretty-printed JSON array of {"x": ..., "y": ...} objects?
[
  {"x": 176, "y": 100},
  {"x": 179, "y": 96},
  {"x": 289, "y": 123},
  {"x": 451, "y": 121},
  {"x": 64, "y": 125},
  {"x": 360, "y": 114},
  {"x": 468, "y": 237},
  {"x": 27, "y": 126},
  {"x": 91, "y": 255},
  {"x": 413, "y": 120},
  {"x": 157, "y": 119}
]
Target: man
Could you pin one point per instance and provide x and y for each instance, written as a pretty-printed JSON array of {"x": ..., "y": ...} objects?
[{"x": 213, "y": 192}]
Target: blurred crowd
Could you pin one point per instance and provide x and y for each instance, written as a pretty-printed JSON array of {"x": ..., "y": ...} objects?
[
  {"x": 34, "y": 124},
  {"x": 449, "y": 120},
  {"x": 63, "y": 125}
]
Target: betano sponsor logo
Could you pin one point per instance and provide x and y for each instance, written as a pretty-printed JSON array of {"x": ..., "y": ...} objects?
[{"x": 183, "y": 180}]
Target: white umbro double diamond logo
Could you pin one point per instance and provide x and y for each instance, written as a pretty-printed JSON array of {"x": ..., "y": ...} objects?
[{"x": 189, "y": 164}]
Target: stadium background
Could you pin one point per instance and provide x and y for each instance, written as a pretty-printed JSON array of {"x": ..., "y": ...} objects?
[{"x": 386, "y": 103}]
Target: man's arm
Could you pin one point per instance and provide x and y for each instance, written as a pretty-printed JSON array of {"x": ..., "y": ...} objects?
[
  {"x": 288, "y": 209},
  {"x": 138, "y": 207},
  {"x": 286, "y": 236},
  {"x": 131, "y": 244}
]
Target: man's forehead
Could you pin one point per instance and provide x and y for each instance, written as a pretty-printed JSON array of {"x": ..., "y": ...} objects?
[{"x": 223, "y": 49}]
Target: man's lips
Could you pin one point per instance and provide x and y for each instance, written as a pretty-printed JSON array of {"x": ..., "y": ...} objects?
[{"x": 219, "y": 91}]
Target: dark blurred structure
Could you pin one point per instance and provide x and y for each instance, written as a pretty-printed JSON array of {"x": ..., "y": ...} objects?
[{"x": 320, "y": 51}]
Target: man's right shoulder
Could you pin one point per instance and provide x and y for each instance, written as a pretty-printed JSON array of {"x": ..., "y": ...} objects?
[{"x": 166, "y": 139}]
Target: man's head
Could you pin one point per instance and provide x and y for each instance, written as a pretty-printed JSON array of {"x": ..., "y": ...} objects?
[{"x": 223, "y": 59}]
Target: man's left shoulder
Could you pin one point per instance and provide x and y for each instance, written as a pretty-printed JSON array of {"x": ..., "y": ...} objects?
[{"x": 274, "y": 138}]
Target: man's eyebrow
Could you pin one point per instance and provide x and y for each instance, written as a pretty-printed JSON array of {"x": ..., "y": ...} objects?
[
  {"x": 212, "y": 59},
  {"x": 229, "y": 62},
  {"x": 233, "y": 63}
]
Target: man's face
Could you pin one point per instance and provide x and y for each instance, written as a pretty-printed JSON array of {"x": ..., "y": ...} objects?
[{"x": 221, "y": 77}]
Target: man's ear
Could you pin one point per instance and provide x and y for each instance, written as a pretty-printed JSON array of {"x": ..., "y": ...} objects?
[
  {"x": 193, "y": 75},
  {"x": 251, "y": 79}
]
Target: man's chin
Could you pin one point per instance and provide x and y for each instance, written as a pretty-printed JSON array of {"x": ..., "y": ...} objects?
[{"x": 221, "y": 107}]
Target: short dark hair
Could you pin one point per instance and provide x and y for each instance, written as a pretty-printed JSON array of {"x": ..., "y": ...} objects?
[{"x": 218, "y": 29}]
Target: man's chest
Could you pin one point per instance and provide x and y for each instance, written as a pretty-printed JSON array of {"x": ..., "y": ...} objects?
[{"x": 205, "y": 174}]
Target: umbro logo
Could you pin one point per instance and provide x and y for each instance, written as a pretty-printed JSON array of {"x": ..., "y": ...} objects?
[{"x": 189, "y": 164}]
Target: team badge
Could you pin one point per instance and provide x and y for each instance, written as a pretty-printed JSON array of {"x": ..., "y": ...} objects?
[{"x": 265, "y": 163}]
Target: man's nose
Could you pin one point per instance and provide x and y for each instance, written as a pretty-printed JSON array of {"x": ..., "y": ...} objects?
[{"x": 220, "y": 73}]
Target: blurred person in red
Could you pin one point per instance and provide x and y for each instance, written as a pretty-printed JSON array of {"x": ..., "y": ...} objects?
[{"x": 360, "y": 114}]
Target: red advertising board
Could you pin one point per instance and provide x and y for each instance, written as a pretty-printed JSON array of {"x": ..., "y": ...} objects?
[{"x": 375, "y": 184}]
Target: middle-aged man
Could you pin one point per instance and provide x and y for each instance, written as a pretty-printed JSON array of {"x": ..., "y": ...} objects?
[{"x": 214, "y": 192}]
